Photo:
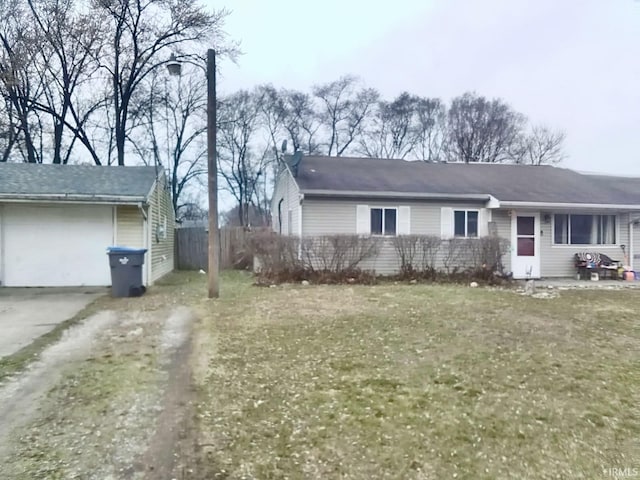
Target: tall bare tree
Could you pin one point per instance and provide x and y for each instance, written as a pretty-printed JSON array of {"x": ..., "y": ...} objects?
[
  {"x": 19, "y": 45},
  {"x": 141, "y": 35},
  {"x": 482, "y": 130},
  {"x": 392, "y": 129},
  {"x": 344, "y": 107},
  {"x": 170, "y": 130},
  {"x": 541, "y": 146},
  {"x": 69, "y": 39},
  {"x": 242, "y": 159},
  {"x": 431, "y": 133}
]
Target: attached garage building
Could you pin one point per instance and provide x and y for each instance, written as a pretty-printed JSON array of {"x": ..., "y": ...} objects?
[{"x": 56, "y": 222}]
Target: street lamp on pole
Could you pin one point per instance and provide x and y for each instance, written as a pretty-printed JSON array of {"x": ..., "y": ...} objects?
[
  {"x": 174, "y": 67},
  {"x": 212, "y": 169}
]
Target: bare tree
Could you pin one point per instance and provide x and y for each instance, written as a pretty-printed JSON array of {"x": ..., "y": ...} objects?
[
  {"x": 391, "y": 131},
  {"x": 481, "y": 130},
  {"x": 141, "y": 34},
  {"x": 300, "y": 121},
  {"x": 69, "y": 39},
  {"x": 242, "y": 160},
  {"x": 20, "y": 84},
  {"x": 344, "y": 108},
  {"x": 541, "y": 146},
  {"x": 430, "y": 127}
]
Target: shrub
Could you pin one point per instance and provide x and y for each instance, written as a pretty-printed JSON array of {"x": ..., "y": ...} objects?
[
  {"x": 322, "y": 259},
  {"x": 337, "y": 253},
  {"x": 338, "y": 258}
]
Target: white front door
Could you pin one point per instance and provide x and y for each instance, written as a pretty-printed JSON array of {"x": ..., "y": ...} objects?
[{"x": 525, "y": 245}]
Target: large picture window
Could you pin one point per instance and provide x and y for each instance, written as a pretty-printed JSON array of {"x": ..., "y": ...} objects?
[
  {"x": 383, "y": 221},
  {"x": 465, "y": 223},
  {"x": 584, "y": 229}
]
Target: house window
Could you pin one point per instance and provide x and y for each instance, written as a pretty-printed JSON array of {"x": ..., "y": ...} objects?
[
  {"x": 584, "y": 229},
  {"x": 465, "y": 223},
  {"x": 290, "y": 222},
  {"x": 383, "y": 221}
]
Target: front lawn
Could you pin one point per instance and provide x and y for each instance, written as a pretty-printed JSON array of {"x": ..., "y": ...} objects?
[{"x": 416, "y": 381}]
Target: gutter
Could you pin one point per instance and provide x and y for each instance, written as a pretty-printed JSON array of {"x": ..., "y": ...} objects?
[
  {"x": 597, "y": 206},
  {"x": 408, "y": 195},
  {"x": 70, "y": 198}
]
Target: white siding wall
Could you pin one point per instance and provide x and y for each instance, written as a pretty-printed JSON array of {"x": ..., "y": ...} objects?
[
  {"x": 161, "y": 248},
  {"x": 129, "y": 227},
  {"x": 328, "y": 217},
  {"x": 635, "y": 254},
  {"x": 287, "y": 191},
  {"x": 558, "y": 260},
  {"x": 502, "y": 221}
]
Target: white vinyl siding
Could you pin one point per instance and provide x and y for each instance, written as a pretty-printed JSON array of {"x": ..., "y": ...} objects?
[
  {"x": 558, "y": 260},
  {"x": 130, "y": 227},
  {"x": 161, "y": 246},
  {"x": 285, "y": 205},
  {"x": 330, "y": 217}
]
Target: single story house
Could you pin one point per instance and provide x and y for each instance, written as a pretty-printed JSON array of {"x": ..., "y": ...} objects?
[
  {"x": 547, "y": 213},
  {"x": 57, "y": 221}
]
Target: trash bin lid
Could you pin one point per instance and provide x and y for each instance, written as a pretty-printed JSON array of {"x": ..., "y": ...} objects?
[{"x": 116, "y": 250}]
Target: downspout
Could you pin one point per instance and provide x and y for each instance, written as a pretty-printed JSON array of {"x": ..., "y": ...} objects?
[
  {"x": 630, "y": 255},
  {"x": 141, "y": 208},
  {"x": 300, "y": 200},
  {"x": 146, "y": 244}
]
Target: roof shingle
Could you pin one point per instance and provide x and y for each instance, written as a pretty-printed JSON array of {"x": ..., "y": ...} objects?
[
  {"x": 24, "y": 179},
  {"x": 509, "y": 183}
]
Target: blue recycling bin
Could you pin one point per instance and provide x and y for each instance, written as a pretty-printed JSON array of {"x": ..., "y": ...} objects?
[{"x": 126, "y": 271}]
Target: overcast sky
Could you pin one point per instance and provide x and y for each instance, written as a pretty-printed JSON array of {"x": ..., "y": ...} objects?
[{"x": 571, "y": 64}]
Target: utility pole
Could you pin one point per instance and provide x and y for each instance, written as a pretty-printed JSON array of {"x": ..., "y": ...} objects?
[{"x": 212, "y": 168}]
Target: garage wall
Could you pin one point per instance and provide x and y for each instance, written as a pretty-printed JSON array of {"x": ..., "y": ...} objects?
[
  {"x": 49, "y": 246},
  {"x": 129, "y": 227},
  {"x": 162, "y": 261}
]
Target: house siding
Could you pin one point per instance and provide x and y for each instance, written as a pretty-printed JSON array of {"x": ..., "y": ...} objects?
[
  {"x": 502, "y": 221},
  {"x": 635, "y": 253},
  {"x": 162, "y": 249},
  {"x": 287, "y": 191},
  {"x": 337, "y": 216},
  {"x": 331, "y": 217},
  {"x": 558, "y": 260},
  {"x": 129, "y": 227}
]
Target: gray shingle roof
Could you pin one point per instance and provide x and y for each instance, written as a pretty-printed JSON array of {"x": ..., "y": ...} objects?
[
  {"x": 508, "y": 183},
  {"x": 81, "y": 181}
]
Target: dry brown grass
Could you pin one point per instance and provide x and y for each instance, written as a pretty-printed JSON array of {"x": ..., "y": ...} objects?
[{"x": 398, "y": 381}]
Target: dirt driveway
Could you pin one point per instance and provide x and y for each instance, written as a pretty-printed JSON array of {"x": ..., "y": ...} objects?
[
  {"x": 26, "y": 314},
  {"x": 109, "y": 400}
]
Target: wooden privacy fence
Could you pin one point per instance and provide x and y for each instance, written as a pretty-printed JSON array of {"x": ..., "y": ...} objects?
[{"x": 192, "y": 245}]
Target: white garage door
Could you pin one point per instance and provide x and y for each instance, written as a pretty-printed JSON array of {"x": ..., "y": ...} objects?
[{"x": 47, "y": 246}]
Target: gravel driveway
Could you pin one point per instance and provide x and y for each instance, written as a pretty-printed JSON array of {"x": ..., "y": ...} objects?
[{"x": 107, "y": 401}]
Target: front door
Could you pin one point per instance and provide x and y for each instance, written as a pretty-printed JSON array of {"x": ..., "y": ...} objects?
[{"x": 525, "y": 239}]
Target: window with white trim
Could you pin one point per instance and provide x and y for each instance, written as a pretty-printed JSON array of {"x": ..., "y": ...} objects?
[
  {"x": 574, "y": 229},
  {"x": 384, "y": 221},
  {"x": 465, "y": 223}
]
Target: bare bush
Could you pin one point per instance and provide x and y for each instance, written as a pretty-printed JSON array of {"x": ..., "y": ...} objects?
[
  {"x": 429, "y": 248},
  {"x": 454, "y": 254},
  {"x": 275, "y": 253},
  {"x": 407, "y": 246},
  {"x": 337, "y": 253}
]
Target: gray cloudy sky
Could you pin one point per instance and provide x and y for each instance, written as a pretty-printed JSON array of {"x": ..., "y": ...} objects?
[{"x": 571, "y": 64}]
